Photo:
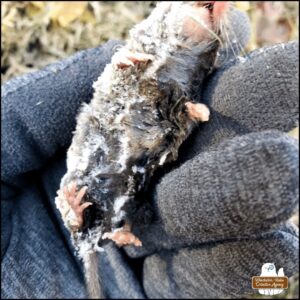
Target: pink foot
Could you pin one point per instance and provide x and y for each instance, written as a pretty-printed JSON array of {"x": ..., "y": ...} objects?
[
  {"x": 68, "y": 202},
  {"x": 126, "y": 58},
  {"x": 123, "y": 237},
  {"x": 197, "y": 111}
]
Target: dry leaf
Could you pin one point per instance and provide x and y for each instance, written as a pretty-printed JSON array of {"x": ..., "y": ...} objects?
[
  {"x": 294, "y": 133},
  {"x": 242, "y": 5},
  {"x": 38, "y": 4},
  {"x": 32, "y": 10},
  {"x": 272, "y": 25},
  {"x": 8, "y": 20},
  {"x": 65, "y": 12},
  {"x": 88, "y": 17}
]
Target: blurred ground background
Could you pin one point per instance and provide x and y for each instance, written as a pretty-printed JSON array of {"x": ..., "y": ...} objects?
[{"x": 36, "y": 33}]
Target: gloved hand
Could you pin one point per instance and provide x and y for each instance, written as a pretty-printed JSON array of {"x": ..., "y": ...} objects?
[{"x": 219, "y": 216}]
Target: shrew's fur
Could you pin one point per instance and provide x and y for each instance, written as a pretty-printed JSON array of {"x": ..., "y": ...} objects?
[{"x": 135, "y": 123}]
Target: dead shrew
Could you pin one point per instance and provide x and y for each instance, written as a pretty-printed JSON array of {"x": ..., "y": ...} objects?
[{"x": 144, "y": 106}]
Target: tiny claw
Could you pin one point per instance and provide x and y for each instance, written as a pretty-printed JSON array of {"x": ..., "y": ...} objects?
[
  {"x": 140, "y": 57},
  {"x": 126, "y": 58},
  {"x": 83, "y": 206},
  {"x": 80, "y": 195},
  {"x": 66, "y": 191},
  {"x": 72, "y": 188},
  {"x": 125, "y": 62}
]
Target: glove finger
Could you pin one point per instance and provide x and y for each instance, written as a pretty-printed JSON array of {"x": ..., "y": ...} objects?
[
  {"x": 250, "y": 183},
  {"x": 218, "y": 270},
  {"x": 258, "y": 94},
  {"x": 153, "y": 244},
  {"x": 261, "y": 92}
]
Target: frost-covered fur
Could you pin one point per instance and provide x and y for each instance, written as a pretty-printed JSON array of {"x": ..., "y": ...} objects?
[{"x": 135, "y": 122}]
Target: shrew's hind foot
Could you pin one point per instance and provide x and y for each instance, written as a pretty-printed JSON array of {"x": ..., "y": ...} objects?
[
  {"x": 69, "y": 204},
  {"x": 123, "y": 237}
]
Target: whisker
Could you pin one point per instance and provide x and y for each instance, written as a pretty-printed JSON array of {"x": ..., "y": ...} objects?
[
  {"x": 230, "y": 44},
  {"x": 222, "y": 29},
  {"x": 241, "y": 48},
  {"x": 200, "y": 22},
  {"x": 225, "y": 36}
]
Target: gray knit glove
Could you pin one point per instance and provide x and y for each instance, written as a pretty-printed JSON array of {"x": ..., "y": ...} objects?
[{"x": 222, "y": 213}]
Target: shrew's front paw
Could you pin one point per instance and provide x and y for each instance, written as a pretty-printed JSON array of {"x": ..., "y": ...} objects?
[
  {"x": 125, "y": 58},
  {"x": 197, "y": 111},
  {"x": 69, "y": 204}
]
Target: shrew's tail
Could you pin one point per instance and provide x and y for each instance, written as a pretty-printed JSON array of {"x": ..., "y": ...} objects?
[{"x": 92, "y": 278}]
